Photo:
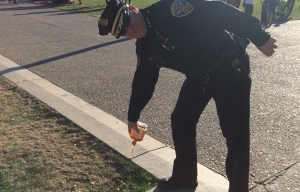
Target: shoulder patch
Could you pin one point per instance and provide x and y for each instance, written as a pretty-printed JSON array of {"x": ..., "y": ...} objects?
[{"x": 181, "y": 8}]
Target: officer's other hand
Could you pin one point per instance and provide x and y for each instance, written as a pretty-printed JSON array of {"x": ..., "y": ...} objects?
[
  {"x": 269, "y": 47},
  {"x": 132, "y": 125}
]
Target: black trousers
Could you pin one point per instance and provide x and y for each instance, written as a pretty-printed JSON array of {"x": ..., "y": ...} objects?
[
  {"x": 248, "y": 8},
  {"x": 263, "y": 16},
  {"x": 232, "y": 98}
]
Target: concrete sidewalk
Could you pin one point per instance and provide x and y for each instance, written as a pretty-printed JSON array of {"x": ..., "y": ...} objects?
[{"x": 152, "y": 155}]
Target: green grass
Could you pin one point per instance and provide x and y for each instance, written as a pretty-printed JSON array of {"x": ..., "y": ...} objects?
[
  {"x": 41, "y": 150},
  {"x": 95, "y": 7}
]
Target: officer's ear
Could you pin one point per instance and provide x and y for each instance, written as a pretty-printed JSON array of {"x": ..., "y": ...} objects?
[{"x": 132, "y": 7}]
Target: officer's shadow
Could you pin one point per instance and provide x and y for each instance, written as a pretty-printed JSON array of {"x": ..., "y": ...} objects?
[{"x": 176, "y": 190}]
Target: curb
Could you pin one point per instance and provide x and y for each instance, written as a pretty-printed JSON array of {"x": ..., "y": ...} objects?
[{"x": 151, "y": 155}]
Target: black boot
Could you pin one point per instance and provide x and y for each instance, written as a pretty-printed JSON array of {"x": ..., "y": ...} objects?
[{"x": 171, "y": 184}]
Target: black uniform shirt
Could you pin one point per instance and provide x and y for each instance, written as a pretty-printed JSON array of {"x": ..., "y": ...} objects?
[{"x": 186, "y": 32}]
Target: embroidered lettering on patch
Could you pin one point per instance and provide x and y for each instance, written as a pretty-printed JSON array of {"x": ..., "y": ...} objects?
[{"x": 181, "y": 8}]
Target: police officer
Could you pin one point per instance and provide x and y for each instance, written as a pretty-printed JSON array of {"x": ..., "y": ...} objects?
[{"x": 193, "y": 37}]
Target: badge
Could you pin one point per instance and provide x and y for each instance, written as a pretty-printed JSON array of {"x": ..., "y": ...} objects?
[
  {"x": 103, "y": 21},
  {"x": 181, "y": 8}
]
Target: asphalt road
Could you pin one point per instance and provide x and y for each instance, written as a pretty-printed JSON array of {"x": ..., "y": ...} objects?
[{"x": 65, "y": 48}]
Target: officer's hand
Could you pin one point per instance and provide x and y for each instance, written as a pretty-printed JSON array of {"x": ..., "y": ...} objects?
[
  {"x": 132, "y": 125},
  {"x": 269, "y": 47}
]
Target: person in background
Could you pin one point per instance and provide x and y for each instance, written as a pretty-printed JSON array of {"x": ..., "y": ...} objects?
[
  {"x": 290, "y": 5},
  {"x": 176, "y": 34},
  {"x": 271, "y": 11},
  {"x": 235, "y": 3},
  {"x": 263, "y": 16},
  {"x": 281, "y": 7},
  {"x": 14, "y": 1},
  {"x": 248, "y": 6}
]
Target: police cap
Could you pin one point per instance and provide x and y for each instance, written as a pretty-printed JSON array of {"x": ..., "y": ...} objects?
[{"x": 113, "y": 17}]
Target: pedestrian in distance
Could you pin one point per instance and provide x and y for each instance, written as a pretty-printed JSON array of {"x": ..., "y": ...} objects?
[
  {"x": 248, "y": 6},
  {"x": 14, "y": 2},
  {"x": 281, "y": 7},
  {"x": 235, "y": 3},
  {"x": 193, "y": 37},
  {"x": 263, "y": 16},
  {"x": 290, "y": 5},
  {"x": 271, "y": 11}
]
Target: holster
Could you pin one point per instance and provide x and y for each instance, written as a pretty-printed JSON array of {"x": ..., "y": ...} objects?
[{"x": 235, "y": 56}]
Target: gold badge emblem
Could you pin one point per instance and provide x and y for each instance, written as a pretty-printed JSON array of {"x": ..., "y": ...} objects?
[{"x": 103, "y": 21}]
